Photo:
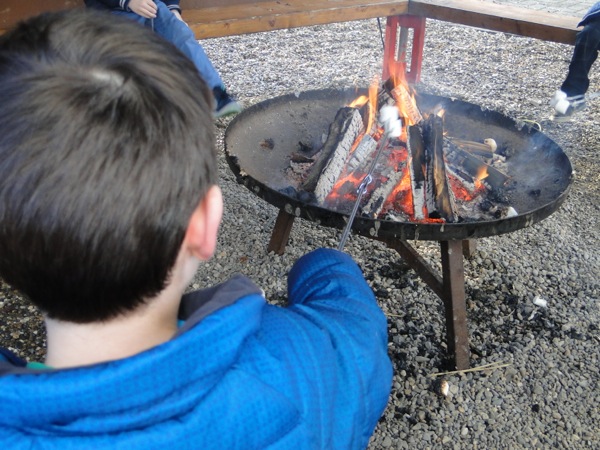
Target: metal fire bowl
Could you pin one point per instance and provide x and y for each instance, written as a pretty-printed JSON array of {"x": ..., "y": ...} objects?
[{"x": 259, "y": 141}]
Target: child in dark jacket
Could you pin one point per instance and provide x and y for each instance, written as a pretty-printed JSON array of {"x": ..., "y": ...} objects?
[
  {"x": 164, "y": 18},
  {"x": 571, "y": 95},
  {"x": 108, "y": 204}
]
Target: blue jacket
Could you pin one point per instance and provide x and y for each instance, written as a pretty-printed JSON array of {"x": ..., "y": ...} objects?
[
  {"x": 592, "y": 15},
  {"x": 240, "y": 374}
]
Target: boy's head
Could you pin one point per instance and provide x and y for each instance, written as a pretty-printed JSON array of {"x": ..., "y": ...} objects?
[{"x": 106, "y": 150}]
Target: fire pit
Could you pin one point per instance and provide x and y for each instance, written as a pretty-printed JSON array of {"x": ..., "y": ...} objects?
[{"x": 262, "y": 140}]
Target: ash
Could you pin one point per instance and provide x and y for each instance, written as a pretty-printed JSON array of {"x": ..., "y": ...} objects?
[{"x": 547, "y": 393}]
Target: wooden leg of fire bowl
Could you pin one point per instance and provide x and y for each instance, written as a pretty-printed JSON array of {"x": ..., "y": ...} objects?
[
  {"x": 449, "y": 287},
  {"x": 469, "y": 247},
  {"x": 281, "y": 232},
  {"x": 454, "y": 302}
]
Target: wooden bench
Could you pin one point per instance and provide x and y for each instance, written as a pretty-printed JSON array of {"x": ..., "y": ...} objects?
[{"x": 218, "y": 18}]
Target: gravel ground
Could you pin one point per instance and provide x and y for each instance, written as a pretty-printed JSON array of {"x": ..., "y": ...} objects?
[{"x": 546, "y": 394}]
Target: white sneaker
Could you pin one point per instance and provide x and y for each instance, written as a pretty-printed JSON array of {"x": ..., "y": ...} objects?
[
  {"x": 557, "y": 97},
  {"x": 564, "y": 106}
]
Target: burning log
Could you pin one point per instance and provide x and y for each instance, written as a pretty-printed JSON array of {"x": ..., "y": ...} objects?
[
  {"x": 343, "y": 132},
  {"x": 475, "y": 167},
  {"x": 378, "y": 198},
  {"x": 405, "y": 103},
  {"x": 361, "y": 153},
  {"x": 416, "y": 151},
  {"x": 440, "y": 199}
]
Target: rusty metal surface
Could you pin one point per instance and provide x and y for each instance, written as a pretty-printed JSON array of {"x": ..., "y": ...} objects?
[{"x": 542, "y": 170}]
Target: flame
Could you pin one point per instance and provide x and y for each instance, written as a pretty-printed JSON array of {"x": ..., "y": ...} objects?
[
  {"x": 397, "y": 71},
  {"x": 404, "y": 95},
  {"x": 345, "y": 190},
  {"x": 373, "y": 91},
  {"x": 371, "y": 101},
  {"x": 400, "y": 199},
  {"x": 482, "y": 174},
  {"x": 359, "y": 101}
]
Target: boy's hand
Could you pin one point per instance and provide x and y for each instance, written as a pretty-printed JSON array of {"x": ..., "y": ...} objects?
[{"x": 144, "y": 8}]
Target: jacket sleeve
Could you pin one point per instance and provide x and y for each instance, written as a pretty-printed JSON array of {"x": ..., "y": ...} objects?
[{"x": 327, "y": 289}]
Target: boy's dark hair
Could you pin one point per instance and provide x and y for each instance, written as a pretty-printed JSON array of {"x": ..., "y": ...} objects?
[{"x": 106, "y": 148}]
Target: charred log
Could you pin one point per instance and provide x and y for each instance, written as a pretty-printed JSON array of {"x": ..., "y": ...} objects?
[
  {"x": 480, "y": 149},
  {"x": 406, "y": 104},
  {"x": 344, "y": 130},
  {"x": 379, "y": 197},
  {"x": 440, "y": 199},
  {"x": 475, "y": 166},
  {"x": 417, "y": 162},
  {"x": 361, "y": 153}
]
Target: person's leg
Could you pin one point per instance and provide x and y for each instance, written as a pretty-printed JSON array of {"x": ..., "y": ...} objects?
[
  {"x": 180, "y": 35},
  {"x": 585, "y": 53},
  {"x": 132, "y": 16}
]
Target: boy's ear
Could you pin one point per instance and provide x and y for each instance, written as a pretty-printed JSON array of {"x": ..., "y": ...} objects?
[{"x": 203, "y": 227}]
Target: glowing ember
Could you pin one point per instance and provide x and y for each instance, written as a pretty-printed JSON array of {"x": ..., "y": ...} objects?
[{"x": 401, "y": 197}]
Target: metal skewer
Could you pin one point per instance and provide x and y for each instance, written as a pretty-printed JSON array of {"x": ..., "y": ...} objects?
[{"x": 392, "y": 128}]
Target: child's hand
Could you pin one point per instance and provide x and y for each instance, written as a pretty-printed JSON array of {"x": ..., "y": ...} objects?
[{"x": 144, "y": 8}]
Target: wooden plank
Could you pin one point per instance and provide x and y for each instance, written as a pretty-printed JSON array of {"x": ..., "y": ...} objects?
[
  {"x": 13, "y": 11},
  {"x": 504, "y": 18},
  {"x": 226, "y": 20},
  {"x": 216, "y": 18}
]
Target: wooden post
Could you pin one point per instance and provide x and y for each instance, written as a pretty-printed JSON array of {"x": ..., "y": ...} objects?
[
  {"x": 281, "y": 232},
  {"x": 454, "y": 302}
]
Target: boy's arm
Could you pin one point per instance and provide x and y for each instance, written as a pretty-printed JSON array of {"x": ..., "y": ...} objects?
[
  {"x": 329, "y": 278},
  {"x": 327, "y": 288}
]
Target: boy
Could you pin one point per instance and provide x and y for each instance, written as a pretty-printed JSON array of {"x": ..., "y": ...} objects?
[
  {"x": 108, "y": 204},
  {"x": 164, "y": 17},
  {"x": 571, "y": 96}
]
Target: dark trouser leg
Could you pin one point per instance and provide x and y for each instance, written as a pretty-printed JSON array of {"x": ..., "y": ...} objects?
[{"x": 584, "y": 55}]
